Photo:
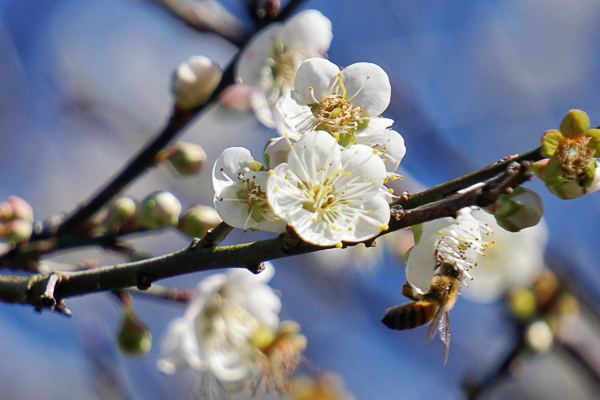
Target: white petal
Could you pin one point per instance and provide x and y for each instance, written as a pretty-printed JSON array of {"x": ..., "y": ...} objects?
[
  {"x": 368, "y": 223},
  {"x": 421, "y": 263},
  {"x": 278, "y": 151},
  {"x": 253, "y": 58},
  {"x": 233, "y": 210},
  {"x": 368, "y": 87},
  {"x": 389, "y": 143},
  {"x": 228, "y": 365},
  {"x": 316, "y": 73},
  {"x": 292, "y": 117},
  {"x": 308, "y": 30},
  {"x": 228, "y": 165},
  {"x": 179, "y": 348},
  {"x": 365, "y": 168},
  {"x": 262, "y": 109},
  {"x": 313, "y": 156}
]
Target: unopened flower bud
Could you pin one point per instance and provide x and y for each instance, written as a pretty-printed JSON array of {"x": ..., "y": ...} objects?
[
  {"x": 197, "y": 220},
  {"x": 539, "y": 336},
  {"x": 276, "y": 151},
  {"x": 187, "y": 158},
  {"x": 15, "y": 208},
  {"x": 195, "y": 80},
  {"x": 522, "y": 303},
  {"x": 160, "y": 210},
  {"x": 519, "y": 210},
  {"x": 237, "y": 97},
  {"x": 575, "y": 123},
  {"x": 16, "y": 231},
  {"x": 133, "y": 336},
  {"x": 121, "y": 210}
]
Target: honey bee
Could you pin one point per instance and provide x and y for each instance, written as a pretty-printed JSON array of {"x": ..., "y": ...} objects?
[{"x": 432, "y": 306}]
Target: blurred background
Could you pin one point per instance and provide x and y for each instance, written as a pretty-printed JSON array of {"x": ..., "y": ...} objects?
[{"x": 84, "y": 84}]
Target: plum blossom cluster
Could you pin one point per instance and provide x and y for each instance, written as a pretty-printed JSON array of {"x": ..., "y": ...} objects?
[
  {"x": 326, "y": 175},
  {"x": 231, "y": 334}
]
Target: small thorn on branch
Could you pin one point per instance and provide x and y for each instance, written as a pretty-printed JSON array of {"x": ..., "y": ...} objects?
[
  {"x": 370, "y": 243},
  {"x": 195, "y": 242},
  {"x": 256, "y": 269},
  {"x": 144, "y": 282},
  {"x": 47, "y": 298}
]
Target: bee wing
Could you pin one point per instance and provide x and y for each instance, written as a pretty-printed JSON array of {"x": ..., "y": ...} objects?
[
  {"x": 433, "y": 327},
  {"x": 445, "y": 335}
]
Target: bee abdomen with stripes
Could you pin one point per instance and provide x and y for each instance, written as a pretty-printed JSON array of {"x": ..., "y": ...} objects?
[{"x": 409, "y": 315}]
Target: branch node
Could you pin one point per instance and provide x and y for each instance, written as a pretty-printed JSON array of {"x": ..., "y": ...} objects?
[
  {"x": 143, "y": 282},
  {"x": 61, "y": 307},
  {"x": 256, "y": 269},
  {"x": 397, "y": 212},
  {"x": 370, "y": 243},
  {"x": 290, "y": 240},
  {"x": 47, "y": 299},
  {"x": 194, "y": 243}
]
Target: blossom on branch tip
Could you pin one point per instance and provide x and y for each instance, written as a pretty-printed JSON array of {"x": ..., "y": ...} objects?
[
  {"x": 195, "y": 80},
  {"x": 240, "y": 185},
  {"x": 328, "y": 195},
  {"x": 272, "y": 57},
  {"x": 215, "y": 334},
  {"x": 459, "y": 241},
  {"x": 572, "y": 169},
  {"x": 346, "y": 104}
]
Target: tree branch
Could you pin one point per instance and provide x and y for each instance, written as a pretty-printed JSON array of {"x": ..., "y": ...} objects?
[
  {"x": 440, "y": 191},
  {"x": 201, "y": 256}
]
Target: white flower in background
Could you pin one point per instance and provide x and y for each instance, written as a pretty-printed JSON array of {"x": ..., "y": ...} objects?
[
  {"x": 271, "y": 59},
  {"x": 329, "y": 195},
  {"x": 215, "y": 334},
  {"x": 515, "y": 259},
  {"x": 459, "y": 241},
  {"x": 346, "y": 104},
  {"x": 240, "y": 192}
]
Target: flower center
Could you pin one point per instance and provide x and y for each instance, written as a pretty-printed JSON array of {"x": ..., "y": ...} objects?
[
  {"x": 322, "y": 196},
  {"x": 338, "y": 116},
  {"x": 282, "y": 66},
  {"x": 256, "y": 198},
  {"x": 574, "y": 155}
]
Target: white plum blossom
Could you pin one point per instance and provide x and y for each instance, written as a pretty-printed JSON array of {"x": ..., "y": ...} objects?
[
  {"x": 329, "y": 195},
  {"x": 271, "y": 59},
  {"x": 346, "y": 103},
  {"x": 240, "y": 192},
  {"x": 515, "y": 259},
  {"x": 460, "y": 241},
  {"x": 214, "y": 336}
]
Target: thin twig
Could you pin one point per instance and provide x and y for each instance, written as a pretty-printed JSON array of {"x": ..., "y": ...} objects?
[
  {"x": 208, "y": 16},
  {"x": 440, "y": 191}
]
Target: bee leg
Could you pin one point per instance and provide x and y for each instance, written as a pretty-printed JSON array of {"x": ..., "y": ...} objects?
[
  {"x": 446, "y": 339},
  {"x": 409, "y": 292}
]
